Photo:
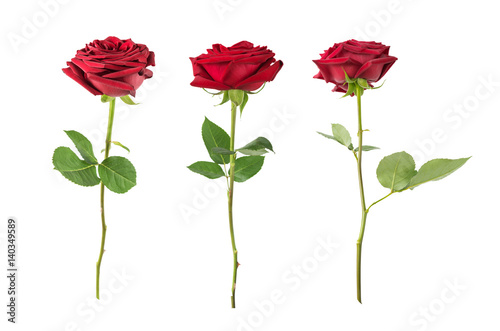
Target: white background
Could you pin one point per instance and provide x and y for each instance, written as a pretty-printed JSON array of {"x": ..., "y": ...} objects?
[{"x": 169, "y": 234}]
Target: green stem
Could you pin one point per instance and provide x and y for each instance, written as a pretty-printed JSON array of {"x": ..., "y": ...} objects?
[
  {"x": 232, "y": 159},
  {"x": 364, "y": 212},
  {"x": 373, "y": 204},
  {"x": 103, "y": 220}
]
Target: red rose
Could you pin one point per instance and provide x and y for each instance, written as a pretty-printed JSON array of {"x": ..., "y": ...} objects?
[
  {"x": 241, "y": 66},
  {"x": 112, "y": 66},
  {"x": 359, "y": 59}
]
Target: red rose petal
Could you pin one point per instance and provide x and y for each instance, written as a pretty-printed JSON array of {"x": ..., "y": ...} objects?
[
  {"x": 148, "y": 73},
  {"x": 236, "y": 72},
  {"x": 151, "y": 59},
  {"x": 215, "y": 70},
  {"x": 372, "y": 70},
  {"x": 81, "y": 81},
  {"x": 123, "y": 73},
  {"x": 110, "y": 87},
  {"x": 243, "y": 44},
  {"x": 265, "y": 75},
  {"x": 333, "y": 70},
  {"x": 208, "y": 83}
]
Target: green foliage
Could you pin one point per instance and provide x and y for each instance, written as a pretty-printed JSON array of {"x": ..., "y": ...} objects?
[
  {"x": 117, "y": 143},
  {"x": 222, "y": 151},
  {"x": 118, "y": 174},
  {"x": 366, "y": 148},
  {"x": 70, "y": 166},
  {"x": 214, "y": 136},
  {"x": 341, "y": 135},
  {"x": 351, "y": 88},
  {"x": 363, "y": 83},
  {"x": 259, "y": 146},
  {"x": 225, "y": 98},
  {"x": 83, "y": 145},
  {"x": 208, "y": 169},
  {"x": 243, "y": 103},
  {"x": 435, "y": 170},
  {"x": 246, "y": 167},
  {"x": 236, "y": 96},
  {"x": 396, "y": 170},
  {"x": 128, "y": 100},
  {"x": 106, "y": 98}
]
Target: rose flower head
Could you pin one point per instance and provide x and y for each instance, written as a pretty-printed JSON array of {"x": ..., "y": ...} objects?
[
  {"x": 367, "y": 60},
  {"x": 239, "y": 67},
  {"x": 112, "y": 66}
]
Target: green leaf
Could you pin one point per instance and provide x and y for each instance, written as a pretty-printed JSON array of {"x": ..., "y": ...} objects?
[
  {"x": 246, "y": 167},
  {"x": 214, "y": 136},
  {"x": 208, "y": 169},
  {"x": 128, "y": 100},
  {"x": 222, "y": 151},
  {"x": 363, "y": 83},
  {"x": 118, "y": 174},
  {"x": 236, "y": 96},
  {"x": 117, "y": 143},
  {"x": 326, "y": 135},
  {"x": 263, "y": 85},
  {"x": 366, "y": 148},
  {"x": 435, "y": 170},
  {"x": 258, "y": 146},
  {"x": 225, "y": 98},
  {"x": 213, "y": 93},
  {"x": 351, "y": 88},
  {"x": 83, "y": 145},
  {"x": 70, "y": 166},
  {"x": 244, "y": 103},
  {"x": 376, "y": 88},
  {"x": 396, "y": 170},
  {"x": 106, "y": 98},
  {"x": 341, "y": 135},
  {"x": 250, "y": 152},
  {"x": 347, "y": 78}
]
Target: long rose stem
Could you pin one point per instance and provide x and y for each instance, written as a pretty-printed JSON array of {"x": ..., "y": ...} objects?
[
  {"x": 103, "y": 220},
  {"x": 364, "y": 212},
  {"x": 232, "y": 159}
]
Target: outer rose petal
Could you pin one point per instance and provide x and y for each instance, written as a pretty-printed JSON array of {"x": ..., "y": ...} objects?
[
  {"x": 77, "y": 78},
  {"x": 126, "y": 72},
  {"x": 236, "y": 72},
  {"x": 135, "y": 80},
  {"x": 111, "y": 87},
  {"x": 151, "y": 59},
  {"x": 262, "y": 76},
  {"x": 372, "y": 70},
  {"x": 318, "y": 76},
  {"x": 207, "y": 83},
  {"x": 243, "y": 44},
  {"x": 215, "y": 70},
  {"x": 332, "y": 70}
]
